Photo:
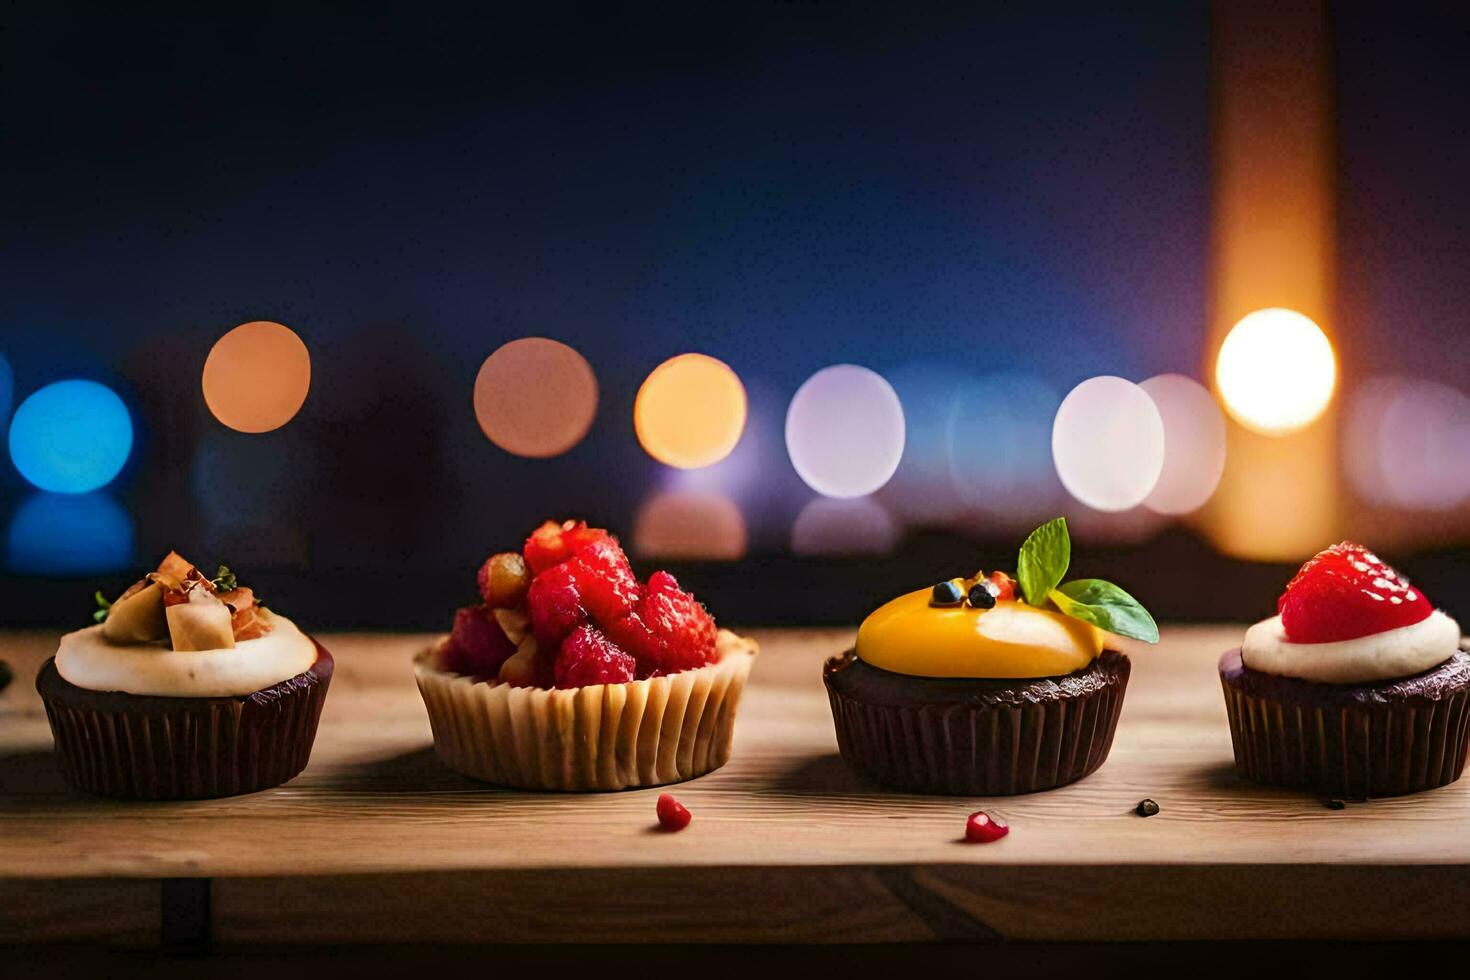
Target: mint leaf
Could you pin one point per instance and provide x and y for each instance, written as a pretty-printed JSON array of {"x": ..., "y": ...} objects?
[
  {"x": 1044, "y": 559},
  {"x": 1107, "y": 607},
  {"x": 224, "y": 580},
  {"x": 102, "y": 607}
]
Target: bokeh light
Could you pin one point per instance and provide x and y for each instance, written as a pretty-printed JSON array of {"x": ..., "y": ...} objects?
[
  {"x": 689, "y": 525},
  {"x": 71, "y": 437},
  {"x": 257, "y": 376},
  {"x": 845, "y": 431},
  {"x": 999, "y": 438},
  {"x": 690, "y": 411},
  {"x": 535, "y": 397},
  {"x": 1194, "y": 444},
  {"x": 1407, "y": 444},
  {"x": 69, "y": 534},
  {"x": 856, "y": 526},
  {"x": 922, "y": 493},
  {"x": 1276, "y": 371},
  {"x": 1108, "y": 443}
]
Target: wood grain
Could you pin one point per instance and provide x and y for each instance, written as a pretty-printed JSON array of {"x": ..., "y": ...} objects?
[{"x": 786, "y": 842}]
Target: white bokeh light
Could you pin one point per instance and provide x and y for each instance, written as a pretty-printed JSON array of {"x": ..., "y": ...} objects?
[
  {"x": 1407, "y": 444},
  {"x": 1108, "y": 443},
  {"x": 845, "y": 431},
  {"x": 1276, "y": 371},
  {"x": 1194, "y": 444}
]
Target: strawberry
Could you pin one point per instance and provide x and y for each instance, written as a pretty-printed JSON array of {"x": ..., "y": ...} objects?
[
  {"x": 605, "y": 580},
  {"x": 477, "y": 644},
  {"x": 555, "y": 604},
  {"x": 668, "y": 632},
  {"x": 1346, "y": 592},
  {"x": 589, "y": 657},
  {"x": 552, "y": 543}
]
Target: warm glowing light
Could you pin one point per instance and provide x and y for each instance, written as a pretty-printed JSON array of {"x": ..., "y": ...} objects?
[
  {"x": 1108, "y": 443},
  {"x": 535, "y": 397},
  {"x": 1276, "y": 371},
  {"x": 69, "y": 534},
  {"x": 690, "y": 411},
  {"x": 858, "y": 526},
  {"x": 256, "y": 376},
  {"x": 1194, "y": 444},
  {"x": 71, "y": 437},
  {"x": 689, "y": 525},
  {"x": 1407, "y": 444},
  {"x": 845, "y": 431}
]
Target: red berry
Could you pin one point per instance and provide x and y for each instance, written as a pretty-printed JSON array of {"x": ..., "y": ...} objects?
[
  {"x": 589, "y": 657},
  {"x": 672, "y": 815},
  {"x": 478, "y": 646},
  {"x": 605, "y": 580},
  {"x": 551, "y": 543},
  {"x": 668, "y": 632},
  {"x": 1346, "y": 592},
  {"x": 555, "y": 605},
  {"x": 1003, "y": 587},
  {"x": 982, "y": 828}
]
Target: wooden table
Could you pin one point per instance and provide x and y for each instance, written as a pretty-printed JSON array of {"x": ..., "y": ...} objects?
[{"x": 377, "y": 842}]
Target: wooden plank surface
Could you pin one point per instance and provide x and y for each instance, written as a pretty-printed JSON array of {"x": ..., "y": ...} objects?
[{"x": 786, "y": 842}]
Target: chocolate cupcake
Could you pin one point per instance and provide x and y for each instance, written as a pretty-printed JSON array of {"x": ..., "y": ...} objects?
[
  {"x": 1357, "y": 688},
  {"x": 991, "y": 685},
  {"x": 187, "y": 688}
]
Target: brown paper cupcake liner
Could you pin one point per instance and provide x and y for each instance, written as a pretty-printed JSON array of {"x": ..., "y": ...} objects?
[
  {"x": 965, "y": 737},
  {"x": 166, "y": 748},
  {"x": 1349, "y": 740},
  {"x": 601, "y": 737}
]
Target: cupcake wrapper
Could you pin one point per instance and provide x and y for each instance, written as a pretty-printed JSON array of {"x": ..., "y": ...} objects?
[
  {"x": 1355, "y": 749},
  {"x": 601, "y": 737},
  {"x": 982, "y": 749},
  {"x": 159, "y": 748}
]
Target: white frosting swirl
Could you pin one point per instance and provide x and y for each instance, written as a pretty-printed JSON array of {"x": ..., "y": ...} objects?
[
  {"x": 87, "y": 659},
  {"x": 1390, "y": 655}
]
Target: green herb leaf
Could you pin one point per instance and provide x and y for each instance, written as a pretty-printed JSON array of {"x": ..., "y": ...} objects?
[
  {"x": 103, "y": 606},
  {"x": 224, "y": 580},
  {"x": 1044, "y": 559},
  {"x": 1106, "y": 606}
]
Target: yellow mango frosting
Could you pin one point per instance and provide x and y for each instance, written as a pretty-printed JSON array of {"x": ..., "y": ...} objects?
[{"x": 910, "y": 636}]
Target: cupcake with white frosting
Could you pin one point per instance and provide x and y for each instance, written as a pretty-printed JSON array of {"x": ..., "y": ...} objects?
[
  {"x": 186, "y": 688},
  {"x": 1358, "y": 687}
]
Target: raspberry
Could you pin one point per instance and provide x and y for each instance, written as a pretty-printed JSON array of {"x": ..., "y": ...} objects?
[
  {"x": 555, "y": 604},
  {"x": 668, "y": 632},
  {"x": 477, "y": 644},
  {"x": 1346, "y": 592},
  {"x": 672, "y": 815},
  {"x": 551, "y": 543},
  {"x": 503, "y": 580},
  {"x": 1003, "y": 587},
  {"x": 605, "y": 581},
  {"x": 589, "y": 657},
  {"x": 982, "y": 828}
]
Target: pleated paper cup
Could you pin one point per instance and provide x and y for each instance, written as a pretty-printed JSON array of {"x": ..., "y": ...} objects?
[
  {"x": 1349, "y": 740},
  {"x": 165, "y": 748},
  {"x": 600, "y": 737}
]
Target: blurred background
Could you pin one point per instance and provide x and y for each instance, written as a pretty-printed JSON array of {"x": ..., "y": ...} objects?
[{"x": 811, "y": 302}]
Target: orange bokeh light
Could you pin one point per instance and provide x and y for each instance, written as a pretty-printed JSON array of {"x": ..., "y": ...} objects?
[
  {"x": 257, "y": 376},
  {"x": 688, "y": 525},
  {"x": 690, "y": 411},
  {"x": 535, "y": 397}
]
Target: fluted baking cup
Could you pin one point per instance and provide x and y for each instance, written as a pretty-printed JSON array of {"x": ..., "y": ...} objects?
[
  {"x": 1349, "y": 740},
  {"x": 600, "y": 737},
  {"x": 166, "y": 748},
  {"x": 975, "y": 737}
]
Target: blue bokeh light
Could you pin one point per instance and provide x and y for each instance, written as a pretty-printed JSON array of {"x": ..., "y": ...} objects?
[
  {"x": 71, "y": 437},
  {"x": 69, "y": 534}
]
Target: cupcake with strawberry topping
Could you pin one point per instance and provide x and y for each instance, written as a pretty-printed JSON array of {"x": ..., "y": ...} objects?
[
  {"x": 1358, "y": 687},
  {"x": 571, "y": 674}
]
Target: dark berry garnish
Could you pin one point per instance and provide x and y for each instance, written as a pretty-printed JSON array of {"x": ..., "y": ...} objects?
[
  {"x": 947, "y": 594},
  {"x": 1146, "y": 808},
  {"x": 1335, "y": 805},
  {"x": 981, "y": 597},
  {"x": 982, "y": 828},
  {"x": 672, "y": 815}
]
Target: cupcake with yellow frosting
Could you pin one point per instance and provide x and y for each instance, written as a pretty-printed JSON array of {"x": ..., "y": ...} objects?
[
  {"x": 186, "y": 688},
  {"x": 990, "y": 685}
]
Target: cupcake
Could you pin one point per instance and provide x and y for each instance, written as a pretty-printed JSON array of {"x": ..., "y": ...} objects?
[
  {"x": 991, "y": 685},
  {"x": 571, "y": 674},
  {"x": 1357, "y": 687},
  {"x": 186, "y": 688}
]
